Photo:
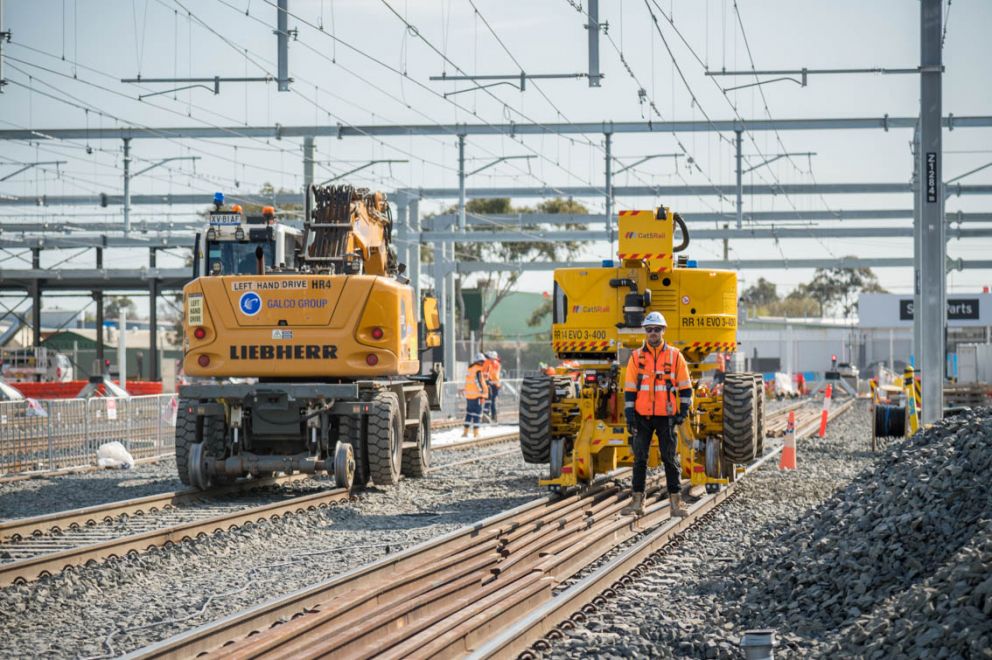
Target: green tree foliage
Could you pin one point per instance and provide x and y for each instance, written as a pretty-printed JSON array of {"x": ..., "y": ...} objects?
[
  {"x": 760, "y": 294},
  {"x": 838, "y": 288},
  {"x": 830, "y": 290},
  {"x": 115, "y": 304},
  {"x": 497, "y": 285}
]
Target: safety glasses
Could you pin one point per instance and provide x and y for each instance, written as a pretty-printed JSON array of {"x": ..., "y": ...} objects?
[{"x": 652, "y": 330}]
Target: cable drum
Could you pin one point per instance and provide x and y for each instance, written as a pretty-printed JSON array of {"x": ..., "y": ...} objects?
[{"x": 890, "y": 421}]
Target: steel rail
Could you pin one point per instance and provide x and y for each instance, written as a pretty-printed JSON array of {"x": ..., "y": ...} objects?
[
  {"x": 214, "y": 635},
  {"x": 15, "y": 528},
  {"x": 541, "y": 622},
  {"x": 396, "y": 607},
  {"x": 54, "y": 562}
]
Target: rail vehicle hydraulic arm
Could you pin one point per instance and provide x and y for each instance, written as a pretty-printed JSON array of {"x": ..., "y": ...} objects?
[{"x": 348, "y": 230}]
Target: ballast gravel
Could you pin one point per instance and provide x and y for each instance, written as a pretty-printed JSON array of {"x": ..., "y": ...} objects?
[
  {"x": 858, "y": 554},
  {"x": 47, "y": 494},
  {"x": 121, "y": 605}
]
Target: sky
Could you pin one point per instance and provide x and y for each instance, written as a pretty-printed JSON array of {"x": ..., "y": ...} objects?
[{"x": 365, "y": 62}]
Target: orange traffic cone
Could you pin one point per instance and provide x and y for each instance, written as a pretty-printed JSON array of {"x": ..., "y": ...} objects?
[
  {"x": 826, "y": 410},
  {"x": 788, "y": 460}
]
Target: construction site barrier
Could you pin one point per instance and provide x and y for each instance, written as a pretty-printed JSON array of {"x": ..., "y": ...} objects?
[
  {"x": 53, "y": 434},
  {"x": 70, "y": 389}
]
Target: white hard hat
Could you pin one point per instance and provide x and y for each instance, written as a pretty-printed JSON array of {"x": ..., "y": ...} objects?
[
  {"x": 479, "y": 357},
  {"x": 654, "y": 318},
  {"x": 492, "y": 355}
]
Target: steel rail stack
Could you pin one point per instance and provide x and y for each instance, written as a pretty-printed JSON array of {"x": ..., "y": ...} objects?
[{"x": 453, "y": 595}]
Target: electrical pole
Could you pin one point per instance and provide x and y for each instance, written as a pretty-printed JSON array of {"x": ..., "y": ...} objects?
[
  {"x": 740, "y": 185},
  {"x": 127, "y": 186},
  {"x": 593, "y": 29},
  {"x": 933, "y": 273},
  {"x": 308, "y": 151},
  {"x": 726, "y": 244},
  {"x": 461, "y": 182},
  {"x": 282, "y": 37},
  {"x": 4, "y": 37},
  {"x": 609, "y": 188}
]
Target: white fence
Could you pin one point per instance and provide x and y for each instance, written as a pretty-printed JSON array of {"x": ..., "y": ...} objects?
[
  {"x": 60, "y": 433},
  {"x": 50, "y": 434}
]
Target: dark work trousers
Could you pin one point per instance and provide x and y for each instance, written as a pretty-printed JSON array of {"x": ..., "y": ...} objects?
[
  {"x": 646, "y": 428},
  {"x": 491, "y": 401}
]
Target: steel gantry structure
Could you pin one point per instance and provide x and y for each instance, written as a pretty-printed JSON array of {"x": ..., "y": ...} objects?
[{"x": 446, "y": 232}]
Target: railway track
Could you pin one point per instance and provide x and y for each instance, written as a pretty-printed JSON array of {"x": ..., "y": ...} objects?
[
  {"x": 43, "y": 545},
  {"x": 457, "y": 594}
]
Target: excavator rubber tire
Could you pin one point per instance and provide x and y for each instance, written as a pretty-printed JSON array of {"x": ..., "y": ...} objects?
[
  {"x": 417, "y": 460},
  {"x": 536, "y": 397},
  {"x": 739, "y": 427},
  {"x": 759, "y": 416},
  {"x": 185, "y": 436},
  {"x": 213, "y": 437},
  {"x": 384, "y": 440},
  {"x": 350, "y": 431}
]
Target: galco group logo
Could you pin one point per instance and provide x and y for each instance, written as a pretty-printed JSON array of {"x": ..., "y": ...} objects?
[
  {"x": 590, "y": 309},
  {"x": 250, "y": 303}
]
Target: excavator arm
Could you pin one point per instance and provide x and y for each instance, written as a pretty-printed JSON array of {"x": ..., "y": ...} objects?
[{"x": 348, "y": 230}]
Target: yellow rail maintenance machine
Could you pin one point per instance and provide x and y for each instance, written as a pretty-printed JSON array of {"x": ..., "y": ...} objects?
[
  {"x": 327, "y": 352},
  {"x": 573, "y": 420}
]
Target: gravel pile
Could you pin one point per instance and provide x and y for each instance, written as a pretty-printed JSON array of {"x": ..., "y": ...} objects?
[
  {"x": 895, "y": 564},
  {"x": 121, "y": 605},
  {"x": 900, "y": 562},
  {"x": 681, "y": 607}
]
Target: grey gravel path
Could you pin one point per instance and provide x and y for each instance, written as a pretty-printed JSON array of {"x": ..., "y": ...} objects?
[
  {"x": 121, "y": 605},
  {"x": 692, "y": 603}
]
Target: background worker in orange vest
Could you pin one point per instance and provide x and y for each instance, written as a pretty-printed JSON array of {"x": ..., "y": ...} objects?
[
  {"x": 493, "y": 371},
  {"x": 476, "y": 391},
  {"x": 657, "y": 398}
]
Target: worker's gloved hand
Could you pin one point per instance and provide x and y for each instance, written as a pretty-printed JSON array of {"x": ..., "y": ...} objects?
[
  {"x": 631, "y": 416},
  {"x": 679, "y": 418}
]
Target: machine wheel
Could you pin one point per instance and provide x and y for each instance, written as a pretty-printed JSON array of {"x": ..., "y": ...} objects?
[
  {"x": 739, "y": 418},
  {"x": 536, "y": 394},
  {"x": 417, "y": 460},
  {"x": 384, "y": 440},
  {"x": 185, "y": 437},
  {"x": 350, "y": 432},
  {"x": 197, "y": 466},
  {"x": 344, "y": 465},
  {"x": 212, "y": 441},
  {"x": 714, "y": 458},
  {"x": 759, "y": 416},
  {"x": 556, "y": 456}
]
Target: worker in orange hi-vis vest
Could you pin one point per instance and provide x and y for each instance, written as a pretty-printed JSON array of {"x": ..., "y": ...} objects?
[
  {"x": 493, "y": 371},
  {"x": 657, "y": 398},
  {"x": 476, "y": 391}
]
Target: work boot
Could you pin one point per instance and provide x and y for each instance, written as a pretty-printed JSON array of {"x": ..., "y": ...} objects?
[
  {"x": 677, "y": 510},
  {"x": 465, "y": 432},
  {"x": 636, "y": 506},
  {"x": 475, "y": 432}
]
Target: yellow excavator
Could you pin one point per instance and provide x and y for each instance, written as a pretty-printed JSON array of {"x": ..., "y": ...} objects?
[{"x": 315, "y": 367}]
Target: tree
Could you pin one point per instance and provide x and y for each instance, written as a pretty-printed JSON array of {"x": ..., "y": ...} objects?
[
  {"x": 117, "y": 303},
  {"x": 838, "y": 288},
  {"x": 498, "y": 285},
  {"x": 760, "y": 294}
]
